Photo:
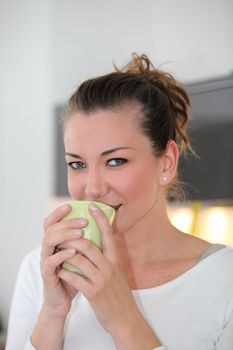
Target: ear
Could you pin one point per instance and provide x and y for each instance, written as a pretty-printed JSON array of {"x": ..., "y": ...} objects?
[{"x": 169, "y": 163}]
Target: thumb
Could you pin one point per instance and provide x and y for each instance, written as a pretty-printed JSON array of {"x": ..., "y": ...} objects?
[{"x": 105, "y": 228}]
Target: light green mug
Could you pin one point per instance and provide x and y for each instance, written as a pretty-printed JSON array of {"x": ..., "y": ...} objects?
[{"x": 91, "y": 231}]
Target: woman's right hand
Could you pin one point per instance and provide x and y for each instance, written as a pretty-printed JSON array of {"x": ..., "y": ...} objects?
[{"x": 58, "y": 294}]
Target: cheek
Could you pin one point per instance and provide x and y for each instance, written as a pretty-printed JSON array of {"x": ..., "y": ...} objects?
[
  {"x": 139, "y": 185},
  {"x": 74, "y": 186},
  {"x": 140, "y": 192}
]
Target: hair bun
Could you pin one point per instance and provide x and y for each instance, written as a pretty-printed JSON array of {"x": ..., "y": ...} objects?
[{"x": 174, "y": 91}]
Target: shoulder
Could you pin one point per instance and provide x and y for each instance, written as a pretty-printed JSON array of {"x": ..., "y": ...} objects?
[
  {"x": 31, "y": 259},
  {"x": 29, "y": 285},
  {"x": 219, "y": 281},
  {"x": 217, "y": 268},
  {"x": 29, "y": 271},
  {"x": 224, "y": 255},
  {"x": 223, "y": 258}
]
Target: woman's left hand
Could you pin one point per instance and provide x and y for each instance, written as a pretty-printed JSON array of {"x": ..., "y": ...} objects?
[{"x": 104, "y": 285}]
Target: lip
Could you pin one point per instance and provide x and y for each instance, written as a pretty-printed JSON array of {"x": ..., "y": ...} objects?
[{"x": 116, "y": 207}]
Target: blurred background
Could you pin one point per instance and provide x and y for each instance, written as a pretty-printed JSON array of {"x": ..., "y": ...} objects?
[{"x": 47, "y": 48}]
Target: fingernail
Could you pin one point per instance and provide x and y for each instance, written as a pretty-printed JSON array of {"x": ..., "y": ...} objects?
[
  {"x": 65, "y": 207},
  {"x": 93, "y": 207},
  {"x": 82, "y": 221},
  {"x": 78, "y": 232}
]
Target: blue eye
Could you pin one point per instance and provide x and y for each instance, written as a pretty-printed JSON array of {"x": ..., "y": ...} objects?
[
  {"x": 77, "y": 165},
  {"x": 117, "y": 161}
]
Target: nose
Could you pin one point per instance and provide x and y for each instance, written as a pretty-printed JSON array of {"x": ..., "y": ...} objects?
[{"x": 96, "y": 186}]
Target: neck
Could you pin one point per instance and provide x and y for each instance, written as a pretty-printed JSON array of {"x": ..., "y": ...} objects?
[{"x": 149, "y": 241}]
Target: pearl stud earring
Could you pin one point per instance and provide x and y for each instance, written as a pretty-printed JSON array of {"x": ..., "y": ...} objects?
[{"x": 164, "y": 178}]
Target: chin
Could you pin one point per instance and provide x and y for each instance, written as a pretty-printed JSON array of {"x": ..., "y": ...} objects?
[
  {"x": 125, "y": 222},
  {"x": 122, "y": 224}
]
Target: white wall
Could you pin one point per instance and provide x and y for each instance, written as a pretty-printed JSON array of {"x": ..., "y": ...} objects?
[
  {"x": 193, "y": 37},
  {"x": 89, "y": 35},
  {"x": 25, "y": 154},
  {"x": 47, "y": 48}
]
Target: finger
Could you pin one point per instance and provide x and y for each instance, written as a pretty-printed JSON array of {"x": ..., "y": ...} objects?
[
  {"x": 91, "y": 252},
  {"x": 68, "y": 223},
  {"x": 68, "y": 244},
  {"x": 49, "y": 268},
  {"x": 60, "y": 232},
  {"x": 87, "y": 249},
  {"x": 104, "y": 227},
  {"x": 51, "y": 241},
  {"x": 78, "y": 282},
  {"x": 56, "y": 233},
  {"x": 57, "y": 215},
  {"x": 83, "y": 264}
]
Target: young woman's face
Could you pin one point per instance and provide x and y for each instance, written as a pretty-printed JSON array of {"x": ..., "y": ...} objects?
[{"x": 111, "y": 161}]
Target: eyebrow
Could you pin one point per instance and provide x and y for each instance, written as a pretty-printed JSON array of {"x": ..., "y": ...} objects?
[{"x": 105, "y": 153}]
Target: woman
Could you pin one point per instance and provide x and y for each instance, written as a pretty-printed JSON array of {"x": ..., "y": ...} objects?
[{"x": 152, "y": 286}]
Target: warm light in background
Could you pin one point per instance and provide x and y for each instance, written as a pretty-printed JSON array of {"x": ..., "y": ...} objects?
[
  {"x": 217, "y": 223},
  {"x": 214, "y": 224},
  {"x": 182, "y": 218}
]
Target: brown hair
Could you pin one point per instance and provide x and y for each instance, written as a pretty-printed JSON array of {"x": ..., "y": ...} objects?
[{"x": 165, "y": 102}]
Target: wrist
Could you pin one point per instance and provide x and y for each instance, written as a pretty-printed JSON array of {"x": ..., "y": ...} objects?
[
  {"x": 48, "y": 331},
  {"x": 58, "y": 314},
  {"x": 136, "y": 334}
]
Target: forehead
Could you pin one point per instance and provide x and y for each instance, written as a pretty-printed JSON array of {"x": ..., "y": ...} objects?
[{"x": 116, "y": 125}]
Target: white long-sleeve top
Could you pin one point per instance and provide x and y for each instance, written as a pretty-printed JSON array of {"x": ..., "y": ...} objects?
[{"x": 192, "y": 312}]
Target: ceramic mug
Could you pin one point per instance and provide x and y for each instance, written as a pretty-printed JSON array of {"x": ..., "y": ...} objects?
[{"x": 91, "y": 231}]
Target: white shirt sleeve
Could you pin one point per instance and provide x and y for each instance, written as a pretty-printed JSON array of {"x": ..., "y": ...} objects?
[
  {"x": 25, "y": 304},
  {"x": 226, "y": 340},
  {"x": 29, "y": 346}
]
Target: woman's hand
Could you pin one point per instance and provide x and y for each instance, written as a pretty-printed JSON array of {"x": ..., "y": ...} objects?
[
  {"x": 106, "y": 288},
  {"x": 57, "y": 293},
  {"x": 104, "y": 284}
]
